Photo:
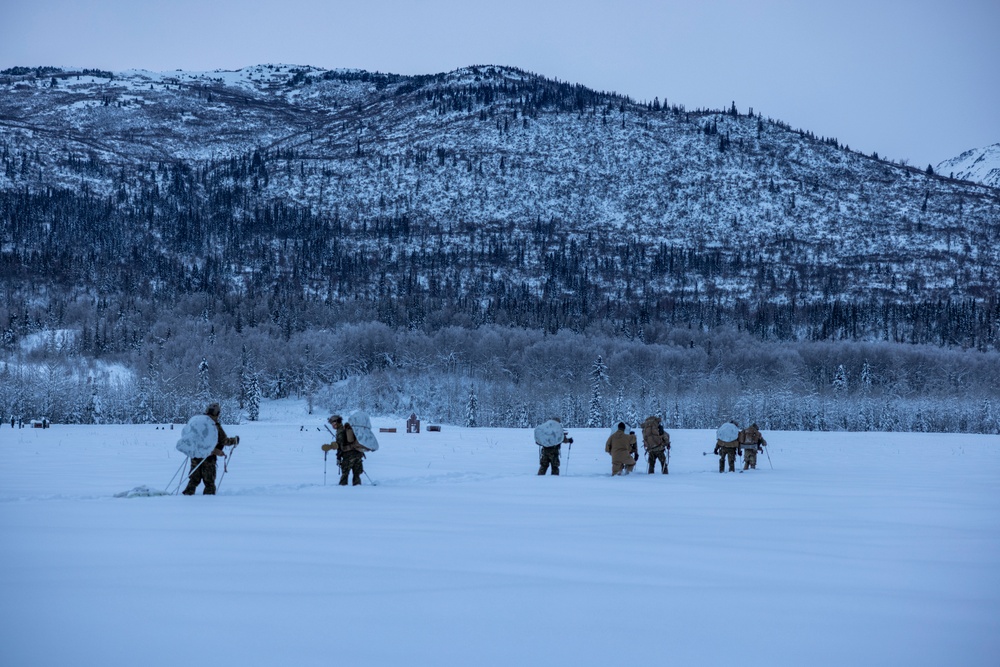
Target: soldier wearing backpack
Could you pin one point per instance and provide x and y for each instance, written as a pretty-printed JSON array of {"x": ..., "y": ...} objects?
[
  {"x": 350, "y": 452},
  {"x": 752, "y": 442},
  {"x": 656, "y": 442}
]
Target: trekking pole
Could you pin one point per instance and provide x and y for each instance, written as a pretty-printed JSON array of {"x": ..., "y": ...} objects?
[
  {"x": 667, "y": 470},
  {"x": 568, "y": 454},
  {"x": 768, "y": 458},
  {"x": 167, "y": 487},
  {"x": 225, "y": 467},
  {"x": 373, "y": 482},
  {"x": 325, "y": 452}
]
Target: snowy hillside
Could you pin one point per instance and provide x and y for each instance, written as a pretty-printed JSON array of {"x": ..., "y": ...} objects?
[
  {"x": 301, "y": 227},
  {"x": 980, "y": 165},
  {"x": 877, "y": 549},
  {"x": 488, "y": 161}
]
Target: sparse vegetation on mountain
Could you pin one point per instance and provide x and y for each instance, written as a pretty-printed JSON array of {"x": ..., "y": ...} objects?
[{"x": 286, "y": 201}]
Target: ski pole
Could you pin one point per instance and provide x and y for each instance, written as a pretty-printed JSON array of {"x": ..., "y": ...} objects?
[
  {"x": 768, "y": 458},
  {"x": 374, "y": 483},
  {"x": 568, "y": 454},
  {"x": 324, "y": 466},
  {"x": 667, "y": 469},
  {"x": 225, "y": 467},
  {"x": 167, "y": 487}
]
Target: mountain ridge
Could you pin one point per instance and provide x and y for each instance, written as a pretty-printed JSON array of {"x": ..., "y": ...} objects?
[
  {"x": 521, "y": 184},
  {"x": 979, "y": 165}
]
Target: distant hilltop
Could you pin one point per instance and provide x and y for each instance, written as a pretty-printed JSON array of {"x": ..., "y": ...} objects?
[{"x": 979, "y": 165}]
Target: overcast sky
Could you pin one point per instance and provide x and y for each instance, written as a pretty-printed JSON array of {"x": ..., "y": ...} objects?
[{"x": 911, "y": 79}]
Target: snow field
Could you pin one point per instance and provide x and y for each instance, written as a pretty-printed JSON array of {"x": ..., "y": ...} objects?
[{"x": 855, "y": 549}]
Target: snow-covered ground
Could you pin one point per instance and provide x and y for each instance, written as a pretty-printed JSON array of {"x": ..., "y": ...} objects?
[{"x": 855, "y": 549}]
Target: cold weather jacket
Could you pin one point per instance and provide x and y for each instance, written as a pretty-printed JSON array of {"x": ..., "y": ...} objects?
[
  {"x": 619, "y": 445},
  {"x": 223, "y": 441},
  {"x": 751, "y": 438},
  {"x": 347, "y": 441},
  {"x": 652, "y": 440}
]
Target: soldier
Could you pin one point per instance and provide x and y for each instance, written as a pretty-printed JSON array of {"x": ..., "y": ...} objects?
[
  {"x": 548, "y": 454},
  {"x": 752, "y": 442},
  {"x": 619, "y": 445},
  {"x": 656, "y": 442},
  {"x": 350, "y": 452},
  {"x": 728, "y": 449},
  {"x": 203, "y": 470}
]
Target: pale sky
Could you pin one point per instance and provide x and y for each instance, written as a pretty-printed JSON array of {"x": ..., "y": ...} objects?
[{"x": 912, "y": 79}]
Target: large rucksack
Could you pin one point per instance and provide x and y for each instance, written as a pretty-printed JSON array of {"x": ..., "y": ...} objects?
[{"x": 652, "y": 434}]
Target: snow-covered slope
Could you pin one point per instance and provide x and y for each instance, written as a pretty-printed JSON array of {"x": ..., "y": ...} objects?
[
  {"x": 981, "y": 165},
  {"x": 534, "y": 193}
]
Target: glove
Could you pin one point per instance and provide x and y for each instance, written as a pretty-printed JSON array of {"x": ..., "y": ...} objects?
[
  {"x": 716, "y": 450},
  {"x": 327, "y": 447},
  {"x": 236, "y": 440},
  {"x": 759, "y": 448},
  {"x": 739, "y": 452}
]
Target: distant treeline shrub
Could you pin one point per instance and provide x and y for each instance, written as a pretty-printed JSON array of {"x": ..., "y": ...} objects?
[{"x": 692, "y": 378}]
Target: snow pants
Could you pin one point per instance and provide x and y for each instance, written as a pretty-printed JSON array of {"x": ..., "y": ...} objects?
[
  {"x": 727, "y": 453},
  {"x": 549, "y": 456},
  {"x": 621, "y": 468},
  {"x": 653, "y": 457},
  {"x": 202, "y": 470},
  {"x": 351, "y": 462},
  {"x": 749, "y": 457}
]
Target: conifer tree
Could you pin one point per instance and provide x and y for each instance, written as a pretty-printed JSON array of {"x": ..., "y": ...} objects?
[
  {"x": 598, "y": 378},
  {"x": 471, "y": 409},
  {"x": 840, "y": 380},
  {"x": 253, "y": 395},
  {"x": 203, "y": 389}
]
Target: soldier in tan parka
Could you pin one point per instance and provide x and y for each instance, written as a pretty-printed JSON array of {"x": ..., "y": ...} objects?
[
  {"x": 619, "y": 445},
  {"x": 752, "y": 442},
  {"x": 656, "y": 442}
]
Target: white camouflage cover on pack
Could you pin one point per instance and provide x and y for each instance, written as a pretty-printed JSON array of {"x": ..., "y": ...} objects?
[
  {"x": 549, "y": 434},
  {"x": 363, "y": 429},
  {"x": 199, "y": 437},
  {"x": 727, "y": 432}
]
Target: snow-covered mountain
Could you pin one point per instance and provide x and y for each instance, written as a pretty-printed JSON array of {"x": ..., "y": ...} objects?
[
  {"x": 395, "y": 236},
  {"x": 980, "y": 165},
  {"x": 490, "y": 190}
]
